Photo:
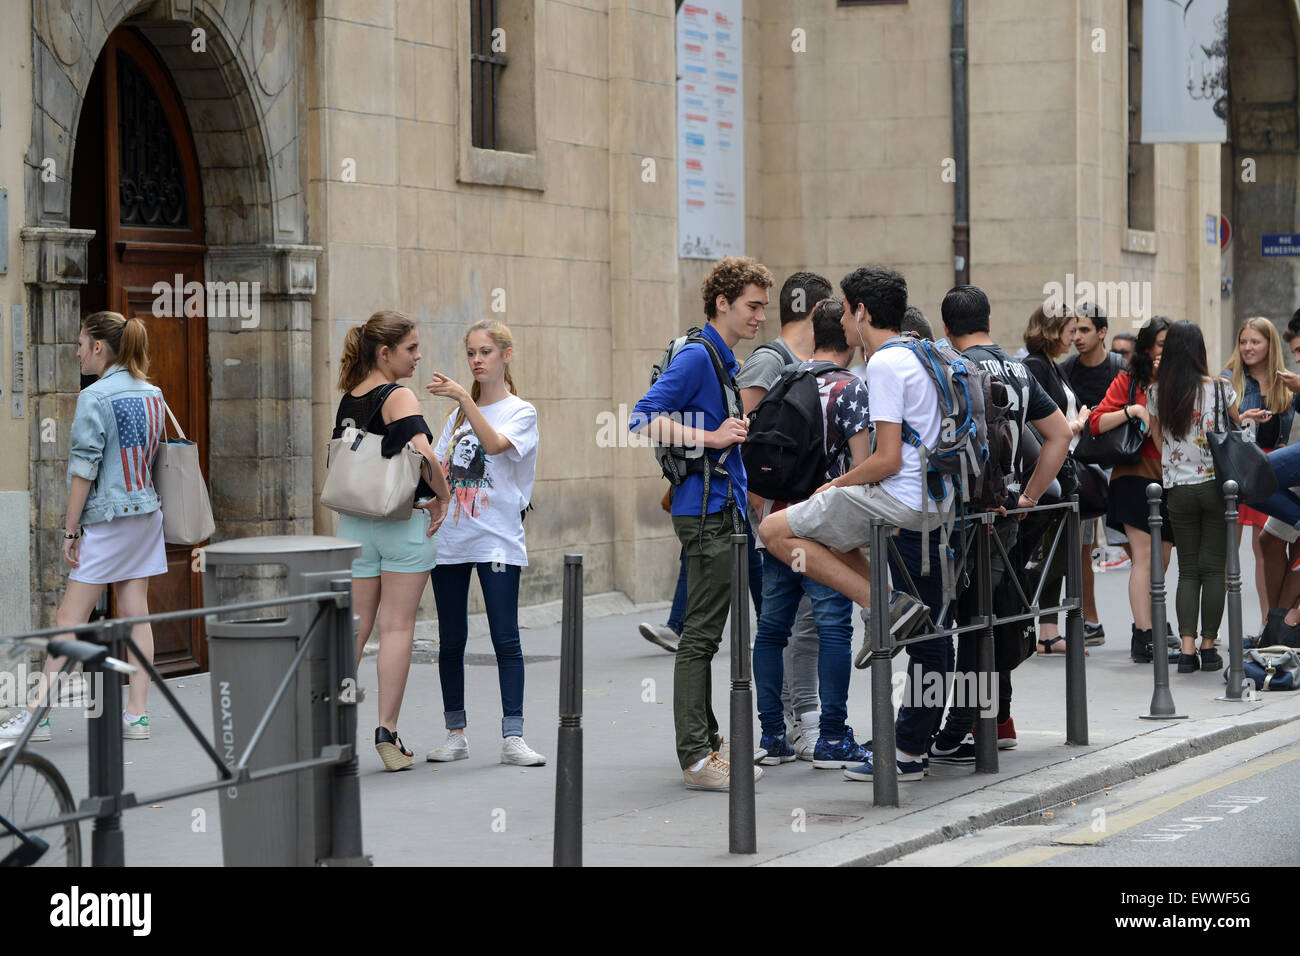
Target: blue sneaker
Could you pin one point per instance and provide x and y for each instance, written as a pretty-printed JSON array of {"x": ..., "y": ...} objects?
[
  {"x": 908, "y": 770},
  {"x": 778, "y": 750},
  {"x": 845, "y": 752}
]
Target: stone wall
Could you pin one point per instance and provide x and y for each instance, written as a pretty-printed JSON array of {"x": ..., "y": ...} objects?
[{"x": 579, "y": 247}]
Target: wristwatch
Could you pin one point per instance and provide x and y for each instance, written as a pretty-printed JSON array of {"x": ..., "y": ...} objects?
[{"x": 70, "y": 537}]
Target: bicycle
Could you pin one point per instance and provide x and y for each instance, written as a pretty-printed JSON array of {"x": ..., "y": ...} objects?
[{"x": 31, "y": 784}]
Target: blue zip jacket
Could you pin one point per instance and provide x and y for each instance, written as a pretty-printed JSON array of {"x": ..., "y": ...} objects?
[
  {"x": 115, "y": 435},
  {"x": 1252, "y": 397},
  {"x": 689, "y": 387}
]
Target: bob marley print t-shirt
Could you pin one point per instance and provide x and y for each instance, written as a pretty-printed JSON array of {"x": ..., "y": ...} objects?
[{"x": 488, "y": 491}]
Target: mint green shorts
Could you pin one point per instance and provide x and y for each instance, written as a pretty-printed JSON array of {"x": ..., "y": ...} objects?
[{"x": 403, "y": 546}]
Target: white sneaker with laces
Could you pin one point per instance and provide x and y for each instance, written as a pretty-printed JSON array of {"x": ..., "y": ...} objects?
[
  {"x": 455, "y": 747},
  {"x": 137, "y": 729},
  {"x": 13, "y": 728},
  {"x": 515, "y": 751}
]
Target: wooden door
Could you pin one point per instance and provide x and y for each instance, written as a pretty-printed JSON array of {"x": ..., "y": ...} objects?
[{"x": 154, "y": 233}]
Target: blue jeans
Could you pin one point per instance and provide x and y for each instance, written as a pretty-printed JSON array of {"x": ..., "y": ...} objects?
[
  {"x": 1283, "y": 504},
  {"x": 501, "y": 599},
  {"x": 833, "y": 612},
  {"x": 677, "y": 616},
  {"x": 928, "y": 661}
]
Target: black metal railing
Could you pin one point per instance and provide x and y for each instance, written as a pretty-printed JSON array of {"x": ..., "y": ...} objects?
[{"x": 108, "y": 798}]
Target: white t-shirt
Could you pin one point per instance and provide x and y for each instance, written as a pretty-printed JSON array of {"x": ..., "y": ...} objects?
[
  {"x": 488, "y": 491},
  {"x": 902, "y": 391}
]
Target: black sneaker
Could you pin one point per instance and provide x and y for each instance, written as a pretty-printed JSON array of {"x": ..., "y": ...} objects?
[
  {"x": 1187, "y": 663},
  {"x": 1210, "y": 659},
  {"x": 1094, "y": 635},
  {"x": 963, "y": 753}
]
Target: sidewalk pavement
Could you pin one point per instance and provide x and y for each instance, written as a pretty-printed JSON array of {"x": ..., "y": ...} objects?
[{"x": 636, "y": 810}]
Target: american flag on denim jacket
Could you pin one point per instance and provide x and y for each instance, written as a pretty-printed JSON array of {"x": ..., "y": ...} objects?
[{"x": 139, "y": 429}]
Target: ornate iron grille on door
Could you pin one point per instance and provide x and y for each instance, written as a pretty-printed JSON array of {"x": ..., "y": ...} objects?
[{"x": 151, "y": 185}]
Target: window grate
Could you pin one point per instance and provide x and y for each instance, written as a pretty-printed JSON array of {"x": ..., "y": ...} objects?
[{"x": 485, "y": 73}]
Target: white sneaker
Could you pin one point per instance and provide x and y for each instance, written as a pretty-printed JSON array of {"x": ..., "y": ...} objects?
[
  {"x": 13, "y": 728},
  {"x": 664, "y": 636},
  {"x": 810, "y": 727},
  {"x": 515, "y": 751},
  {"x": 455, "y": 747},
  {"x": 137, "y": 729}
]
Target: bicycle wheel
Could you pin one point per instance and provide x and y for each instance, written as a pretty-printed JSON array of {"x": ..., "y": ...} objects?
[{"x": 33, "y": 791}]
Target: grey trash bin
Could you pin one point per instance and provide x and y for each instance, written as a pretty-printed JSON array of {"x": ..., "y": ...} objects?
[{"x": 283, "y": 820}]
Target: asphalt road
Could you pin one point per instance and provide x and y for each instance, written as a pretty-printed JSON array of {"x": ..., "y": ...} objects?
[{"x": 1221, "y": 809}]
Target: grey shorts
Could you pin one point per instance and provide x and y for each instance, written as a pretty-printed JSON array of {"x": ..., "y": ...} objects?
[{"x": 840, "y": 518}]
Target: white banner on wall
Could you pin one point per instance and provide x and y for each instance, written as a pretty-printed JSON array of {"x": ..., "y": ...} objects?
[
  {"x": 710, "y": 130},
  {"x": 1184, "y": 71}
]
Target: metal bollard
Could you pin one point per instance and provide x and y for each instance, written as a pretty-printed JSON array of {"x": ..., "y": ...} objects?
[
  {"x": 1076, "y": 686},
  {"x": 568, "y": 760},
  {"x": 1162, "y": 701},
  {"x": 742, "y": 823},
  {"x": 104, "y": 743},
  {"x": 345, "y": 778},
  {"x": 986, "y": 724},
  {"x": 1236, "y": 669},
  {"x": 884, "y": 757}
]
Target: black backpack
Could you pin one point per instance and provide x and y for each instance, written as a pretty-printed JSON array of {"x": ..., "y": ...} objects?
[{"x": 785, "y": 451}]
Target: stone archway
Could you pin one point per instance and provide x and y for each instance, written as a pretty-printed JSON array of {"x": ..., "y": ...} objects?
[{"x": 235, "y": 65}]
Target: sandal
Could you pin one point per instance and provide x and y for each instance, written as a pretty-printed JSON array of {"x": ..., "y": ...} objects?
[
  {"x": 391, "y": 750},
  {"x": 1048, "y": 647}
]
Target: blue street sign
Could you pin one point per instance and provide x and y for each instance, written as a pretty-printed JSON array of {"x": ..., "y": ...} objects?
[{"x": 1282, "y": 244}]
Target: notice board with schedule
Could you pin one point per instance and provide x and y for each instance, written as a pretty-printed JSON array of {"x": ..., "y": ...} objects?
[{"x": 710, "y": 129}]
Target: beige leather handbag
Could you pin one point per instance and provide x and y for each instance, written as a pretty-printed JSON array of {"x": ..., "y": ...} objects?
[
  {"x": 186, "y": 507},
  {"x": 363, "y": 483}
]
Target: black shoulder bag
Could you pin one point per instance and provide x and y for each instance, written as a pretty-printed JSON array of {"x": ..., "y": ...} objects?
[
  {"x": 1236, "y": 459},
  {"x": 1119, "y": 446}
]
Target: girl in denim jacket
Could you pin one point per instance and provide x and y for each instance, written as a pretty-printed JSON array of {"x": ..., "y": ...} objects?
[{"x": 113, "y": 530}]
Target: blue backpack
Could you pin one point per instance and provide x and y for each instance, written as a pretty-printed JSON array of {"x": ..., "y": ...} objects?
[
  {"x": 963, "y": 387},
  {"x": 973, "y": 455}
]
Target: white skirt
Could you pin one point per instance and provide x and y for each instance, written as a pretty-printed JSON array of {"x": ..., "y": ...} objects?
[{"x": 121, "y": 550}]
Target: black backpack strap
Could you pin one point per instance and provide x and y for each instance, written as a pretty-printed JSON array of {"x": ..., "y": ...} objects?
[
  {"x": 384, "y": 392},
  {"x": 730, "y": 394},
  {"x": 733, "y": 408}
]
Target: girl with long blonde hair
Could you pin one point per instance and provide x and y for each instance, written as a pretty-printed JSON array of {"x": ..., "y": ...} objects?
[
  {"x": 1271, "y": 406},
  {"x": 488, "y": 448}
]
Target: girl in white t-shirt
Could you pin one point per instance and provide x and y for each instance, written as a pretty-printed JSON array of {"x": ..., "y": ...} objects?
[{"x": 488, "y": 449}]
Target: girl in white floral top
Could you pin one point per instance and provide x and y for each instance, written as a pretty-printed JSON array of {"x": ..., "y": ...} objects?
[{"x": 1187, "y": 404}]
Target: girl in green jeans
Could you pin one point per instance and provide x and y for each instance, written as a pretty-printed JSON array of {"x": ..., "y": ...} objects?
[{"x": 1187, "y": 405}]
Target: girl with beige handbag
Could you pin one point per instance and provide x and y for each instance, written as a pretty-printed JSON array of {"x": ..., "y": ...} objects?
[
  {"x": 113, "y": 533},
  {"x": 399, "y": 550}
]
